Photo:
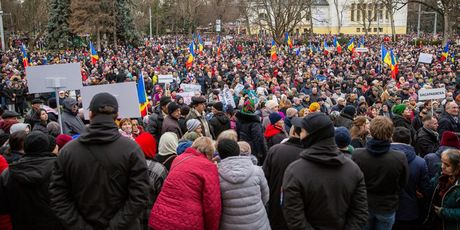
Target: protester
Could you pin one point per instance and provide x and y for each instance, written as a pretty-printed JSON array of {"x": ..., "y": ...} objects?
[
  {"x": 220, "y": 121},
  {"x": 346, "y": 117},
  {"x": 9, "y": 118},
  {"x": 96, "y": 158},
  {"x": 125, "y": 127},
  {"x": 171, "y": 121},
  {"x": 343, "y": 141},
  {"x": 190, "y": 196},
  {"x": 198, "y": 105},
  {"x": 42, "y": 124},
  {"x": 433, "y": 160},
  {"x": 16, "y": 147},
  {"x": 359, "y": 132},
  {"x": 401, "y": 118},
  {"x": 383, "y": 185},
  {"x": 167, "y": 149},
  {"x": 323, "y": 172},
  {"x": 427, "y": 137},
  {"x": 450, "y": 120},
  {"x": 274, "y": 132},
  {"x": 237, "y": 173},
  {"x": 33, "y": 116},
  {"x": 71, "y": 122},
  {"x": 24, "y": 188},
  {"x": 155, "y": 120}
]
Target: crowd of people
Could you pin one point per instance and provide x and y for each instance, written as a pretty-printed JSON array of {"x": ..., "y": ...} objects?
[{"x": 309, "y": 140}]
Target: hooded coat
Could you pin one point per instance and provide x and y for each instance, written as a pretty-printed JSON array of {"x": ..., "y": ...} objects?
[
  {"x": 274, "y": 135},
  {"x": 324, "y": 190},
  {"x": 385, "y": 171},
  {"x": 219, "y": 123},
  {"x": 244, "y": 192},
  {"x": 24, "y": 189},
  {"x": 100, "y": 180},
  {"x": 71, "y": 123},
  {"x": 408, "y": 209},
  {"x": 433, "y": 161},
  {"x": 399, "y": 121},
  {"x": 427, "y": 141},
  {"x": 249, "y": 129}
]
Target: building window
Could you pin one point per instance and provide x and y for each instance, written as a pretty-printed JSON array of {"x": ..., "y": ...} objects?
[
  {"x": 375, "y": 30},
  {"x": 358, "y": 12},
  {"x": 358, "y": 30},
  {"x": 375, "y": 12},
  {"x": 380, "y": 29},
  {"x": 369, "y": 11},
  {"x": 352, "y": 12},
  {"x": 380, "y": 11},
  {"x": 386, "y": 14}
]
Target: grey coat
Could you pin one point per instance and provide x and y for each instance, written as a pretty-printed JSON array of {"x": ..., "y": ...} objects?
[
  {"x": 244, "y": 194},
  {"x": 71, "y": 123}
]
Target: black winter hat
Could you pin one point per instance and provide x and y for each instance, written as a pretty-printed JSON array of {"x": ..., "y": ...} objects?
[
  {"x": 218, "y": 106},
  {"x": 342, "y": 137},
  {"x": 36, "y": 142},
  {"x": 315, "y": 122},
  {"x": 349, "y": 110},
  {"x": 228, "y": 148},
  {"x": 52, "y": 103},
  {"x": 402, "y": 135},
  {"x": 173, "y": 106},
  {"x": 164, "y": 100},
  {"x": 101, "y": 100}
]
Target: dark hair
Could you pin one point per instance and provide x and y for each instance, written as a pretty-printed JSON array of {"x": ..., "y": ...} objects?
[
  {"x": 184, "y": 110},
  {"x": 427, "y": 118},
  {"x": 16, "y": 140},
  {"x": 107, "y": 110},
  {"x": 228, "y": 148},
  {"x": 402, "y": 135},
  {"x": 454, "y": 159},
  {"x": 297, "y": 130}
]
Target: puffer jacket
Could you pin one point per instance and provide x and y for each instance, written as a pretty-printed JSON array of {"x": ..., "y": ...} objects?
[
  {"x": 249, "y": 129},
  {"x": 190, "y": 197},
  {"x": 433, "y": 161},
  {"x": 244, "y": 192},
  {"x": 219, "y": 123},
  {"x": 71, "y": 123}
]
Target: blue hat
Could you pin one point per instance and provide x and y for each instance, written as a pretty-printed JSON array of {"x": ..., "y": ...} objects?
[
  {"x": 274, "y": 117},
  {"x": 342, "y": 137}
]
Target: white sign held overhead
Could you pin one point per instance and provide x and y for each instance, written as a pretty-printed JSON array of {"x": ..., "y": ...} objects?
[
  {"x": 425, "y": 58},
  {"x": 187, "y": 97},
  {"x": 208, "y": 43},
  {"x": 42, "y": 79},
  {"x": 361, "y": 50},
  {"x": 125, "y": 93},
  {"x": 165, "y": 78},
  {"x": 191, "y": 88},
  {"x": 431, "y": 94}
]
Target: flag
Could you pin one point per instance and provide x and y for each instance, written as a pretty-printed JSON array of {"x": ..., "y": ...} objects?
[
  {"x": 297, "y": 52},
  {"x": 310, "y": 48},
  {"x": 288, "y": 40},
  {"x": 191, "y": 56},
  {"x": 337, "y": 45},
  {"x": 142, "y": 95},
  {"x": 200, "y": 44},
  {"x": 361, "y": 42},
  {"x": 218, "y": 45},
  {"x": 452, "y": 57},
  {"x": 326, "y": 52},
  {"x": 394, "y": 65},
  {"x": 445, "y": 52},
  {"x": 25, "y": 60},
  {"x": 273, "y": 51},
  {"x": 93, "y": 55},
  {"x": 351, "y": 45},
  {"x": 385, "y": 56}
]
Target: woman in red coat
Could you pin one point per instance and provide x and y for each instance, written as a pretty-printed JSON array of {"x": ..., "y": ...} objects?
[{"x": 190, "y": 197}]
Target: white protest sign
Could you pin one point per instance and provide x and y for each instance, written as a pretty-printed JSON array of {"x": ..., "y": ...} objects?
[
  {"x": 238, "y": 88},
  {"x": 187, "y": 97},
  {"x": 41, "y": 79},
  {"x": 228, "y": 97},
  {"x": 125, "y": 93},
  {"x": 208, "y": 43},
  {"x": 191, "y": 87},
  {"x": 431, "y": 94},
  {"x": 425, "y": 58},
  {"x": 361, "y": 50},
  {"x": 302, "y": 49},
  {"x": 165, "y": 78}
]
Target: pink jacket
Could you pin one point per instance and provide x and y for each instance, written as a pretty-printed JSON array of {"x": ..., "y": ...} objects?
[{"x": 190, "y": 197}]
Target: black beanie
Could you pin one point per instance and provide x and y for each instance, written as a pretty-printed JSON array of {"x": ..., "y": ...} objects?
[
  {"x": 349, "y": 110},
  {"x": 164, "y": 100},
  {"x": 218, "y": 106},
  {"x": 228, "y": 148},
  {"x": 36, "y": 142},
  {"x": 173, "y": 106},
  {"x": 52, "y": 103}
]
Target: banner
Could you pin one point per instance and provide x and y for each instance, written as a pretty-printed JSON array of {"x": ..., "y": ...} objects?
[
  {"x": 431, "y": 94},
  {"x": 227, "y": 98},
  {"x": 425, "y": 58},
  {"x": 191, "y": 88},
  {"x": 165, "y": 78},
  {"x": 45, "y": 78}
]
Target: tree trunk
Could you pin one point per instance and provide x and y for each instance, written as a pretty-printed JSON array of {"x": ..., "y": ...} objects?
[
  {"x": 446, "y": 27},
  {"x": 339, "y": 23},
  {"x": 98, "y": 40},
  {"x": 248, "y": 26},
  {"x": 393, "y": 29}
]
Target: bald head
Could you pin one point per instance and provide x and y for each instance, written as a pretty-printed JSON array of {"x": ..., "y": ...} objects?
[{"x": 452, "y": 108}]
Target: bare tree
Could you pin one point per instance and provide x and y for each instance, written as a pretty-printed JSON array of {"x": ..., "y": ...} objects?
[
  {"x": 339, "y": 9},
  {"x": 367, "y": 13}
]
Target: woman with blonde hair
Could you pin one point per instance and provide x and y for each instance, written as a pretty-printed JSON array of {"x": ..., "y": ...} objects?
[
  {"x": 190, "y": 197},
  {"x": 359, "y": 132}
]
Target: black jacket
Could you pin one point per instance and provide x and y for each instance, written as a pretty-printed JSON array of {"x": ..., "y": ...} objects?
[
  {"x": 399, "y": 121},
  {"x": 427, "y": 142},
  {"x": 105, "y": 187},
  {"x": 219, "y": 123},
  {"x": 344, "y": 120},
  {"x": 447, "y": 123},
  {"x": 324, "y": 190},
  {"x": 386, "y": 172},
  {"x": 249, "y": 129},
  {"x": 24, "y": 192},
  {"x": 278, "y": 159},
  {"x": 155, "y": 123}
]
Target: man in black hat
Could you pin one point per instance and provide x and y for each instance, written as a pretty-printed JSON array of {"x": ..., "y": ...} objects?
[
  {"x": 155, "y": 121},
  {"x": 323, "y": 189},
  {"x": 171, "y": 121},
  {"x": 100, "y": 180},
  {"x": 219, "y": 121},
  {"x": 33, "y": 116},
  {"x": 198, "y": 105}
]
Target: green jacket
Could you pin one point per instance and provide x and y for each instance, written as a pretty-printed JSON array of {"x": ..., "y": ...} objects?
[{"x": 450, "y": 206}]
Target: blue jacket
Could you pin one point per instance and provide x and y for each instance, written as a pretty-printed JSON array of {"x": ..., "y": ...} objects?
[
  {"x": 418, "y": 179},
  {"x": 433, "y": 161}
]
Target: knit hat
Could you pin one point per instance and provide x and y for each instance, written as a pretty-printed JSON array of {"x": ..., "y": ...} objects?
[
  {"x": 148, "y": 144},
  {"x": 271, "y": 104},
  {"x": 36, "y": 142},
  {"x": 399, "y": 109},
  {"x": 274, "y": 117},
  {"x": 228, "y": 148},
  {"x": 314, "y": 107},
  {"x": 342, "y": 137},
  {"x": 248, "y": 107},
  {"x": 190, "y": 136},
  {"x": 450, "y": 139},
  {"x": 183, "y": 145},
  {"x": 100, "y": 100},
  {"x": 193, "y": 124},
  {"x": 164, "y": 100},
  {"x": 349, "y": 110},
  {"x": 218, "y": 106},
  {"x": 173, "y": 106},
  {"x": 168, "y": 144},
  {"x": 19, "y": 127},
  {"x": 62, "y": 140}
]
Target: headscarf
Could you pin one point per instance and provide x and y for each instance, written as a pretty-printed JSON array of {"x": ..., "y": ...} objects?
[{"x": 168, "y": 144}]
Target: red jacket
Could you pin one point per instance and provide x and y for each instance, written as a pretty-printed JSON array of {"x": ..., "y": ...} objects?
[
  {"x": 5, "y": 220},
  {"x": 190, "y": 197}
]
